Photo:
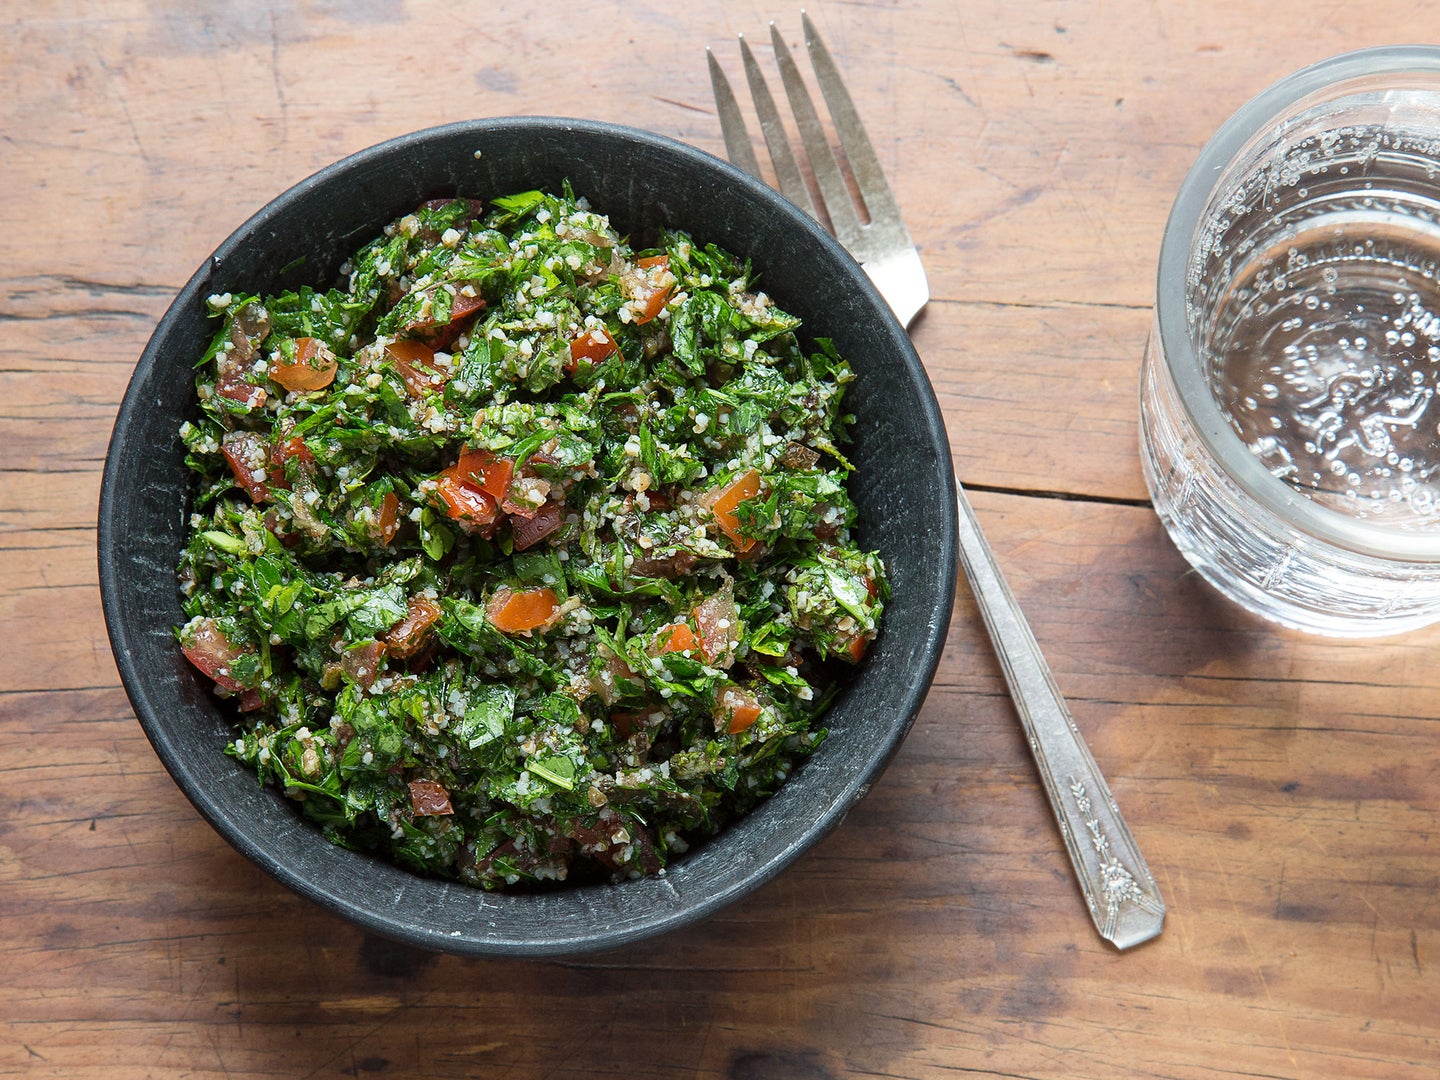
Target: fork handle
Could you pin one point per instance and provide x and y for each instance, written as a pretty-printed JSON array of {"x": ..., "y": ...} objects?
[{"x": 1118, "y": 886}]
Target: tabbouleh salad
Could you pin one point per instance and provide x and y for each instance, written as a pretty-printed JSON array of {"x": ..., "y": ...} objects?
[{"x": 523, "y": 554}]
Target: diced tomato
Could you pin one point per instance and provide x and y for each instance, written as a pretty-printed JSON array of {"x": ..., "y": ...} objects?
[
  {"x": 281, "y": 452},
  {"x": 467, "y": 503},
  {"x": 462, "y": 310},
  {"x": 593, "y": 345},
  {"x": 407, "y": 637},
  {"x": 743, "y": 717},
  {"x": 245, "y": 453},
  {"x": 671, "y": 566},
  {"x": 233, "y": 384},
  {"x": 736, "y": 710},
  {"x": 649, "y": 286},
  {"x": 429, "y": 799},
  {"x": 680, "y": 638},
  {"x": 313, "y": 368},
  {"x": 207, "y": 647},
  {"x": 388, "y": 520},
  {"x": 416, "y": 363},
  {"x": 745, "y": 486},
  {"x": 715, "y": 619},
  {"x": 251, "y": 700},
  {"x": 482, "y": 469},
  {"x": 529, "y": 531},
  {"x": 463, "y": 307},
  {"x": 520, "y": 611},
  {"x": 362, "y": 663},
  {"x": 234, "y": 366},
  {"x": 853, "y": 650},
  {"x": 606, "y": 682},
  {"x": 280, "y": 528}
]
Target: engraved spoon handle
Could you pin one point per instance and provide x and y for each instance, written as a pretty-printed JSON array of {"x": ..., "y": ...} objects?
[{"x": 1118, "y": 886}]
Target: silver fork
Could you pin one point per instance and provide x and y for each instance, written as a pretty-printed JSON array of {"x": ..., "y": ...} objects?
[{"x": 1118, "y": 887}]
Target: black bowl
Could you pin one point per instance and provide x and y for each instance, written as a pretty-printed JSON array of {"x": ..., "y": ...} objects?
[{"x": 903, "y": 487}]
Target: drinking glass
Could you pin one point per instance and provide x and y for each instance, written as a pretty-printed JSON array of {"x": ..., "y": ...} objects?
[{"x": 1290, "y": 391}]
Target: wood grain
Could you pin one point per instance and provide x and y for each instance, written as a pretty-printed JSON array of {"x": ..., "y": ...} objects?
[{"x": 1285, "y": 789}]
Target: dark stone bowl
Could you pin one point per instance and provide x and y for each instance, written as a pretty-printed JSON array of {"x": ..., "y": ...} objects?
[{"x": 903, "y": 486}]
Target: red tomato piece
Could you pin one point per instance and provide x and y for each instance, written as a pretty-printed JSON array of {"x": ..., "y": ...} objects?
[
  {"x": 743, "y": 717},
  {"x": 463, "y": 309},
  {"x": 736, "y": 710},
  {"x": 416, "y": 363},
  {"x": 281, "y": 452},
  {"x": 605, "y": 682},
  {"x": 388, "y": 519},
  {"x": 207, "y": 647},
  {"x": 233, "y": 384},
  {"x": 467, "y": 503},
  {"x": 520, "y": 611},
  {"x": 715, "y": 619},
  {"x": 313, "y": 368},
  {"x": 482, "y": 469},
  {"x": 464, "y": 306},
  {"x": 407, "y": 637},
  {"x": 594, "y": 345},
  {"x": 429, "y": 799},
  {"x": 680, "y": 638},
  {"x": 529, "y": 531},
  {"x": 649, "y": 286},
  {"x": 245, "y": 453},
  {"x": 362, "y": 663},
  {"x": 744, "y": 486},
  {"x": 853, "y": 649}
]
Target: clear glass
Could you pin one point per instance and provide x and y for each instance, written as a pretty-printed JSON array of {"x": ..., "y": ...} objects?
[{"x": 1290, "y": 393}]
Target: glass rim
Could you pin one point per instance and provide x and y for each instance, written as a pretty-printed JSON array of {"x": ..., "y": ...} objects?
[{"x": 1178, "y": 351}]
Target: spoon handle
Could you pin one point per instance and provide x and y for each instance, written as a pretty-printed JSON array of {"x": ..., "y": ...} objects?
[{"x": 1118, "y": 886}]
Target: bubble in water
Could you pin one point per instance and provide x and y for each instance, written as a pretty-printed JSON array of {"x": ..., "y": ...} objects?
[{"x": 1337, "y": 400}]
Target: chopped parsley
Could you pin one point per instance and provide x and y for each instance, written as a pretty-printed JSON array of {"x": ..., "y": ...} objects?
[{"x": 524, "y": 555}]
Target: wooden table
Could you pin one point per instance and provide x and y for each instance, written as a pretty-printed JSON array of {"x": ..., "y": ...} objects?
[{"x": 1284, "y": 788}]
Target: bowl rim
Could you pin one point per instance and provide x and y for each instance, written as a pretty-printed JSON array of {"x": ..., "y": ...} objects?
[{"x": 921, "y": 664}]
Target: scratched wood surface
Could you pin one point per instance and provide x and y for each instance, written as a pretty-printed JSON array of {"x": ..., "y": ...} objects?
[{"x": 1284, "y": 788}]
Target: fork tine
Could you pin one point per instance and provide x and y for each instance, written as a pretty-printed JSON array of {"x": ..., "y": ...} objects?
[
  {"x": 787, "y": 171},
  {"x": 732, "y": 125},
  {"x": 869, "y": 177},
  {"x": 833, "y": 190}
]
